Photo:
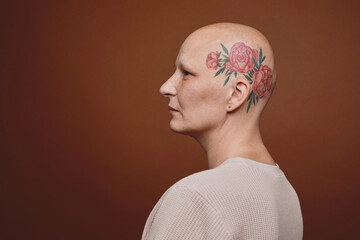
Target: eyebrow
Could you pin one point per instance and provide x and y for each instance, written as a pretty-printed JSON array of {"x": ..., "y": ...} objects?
[{"x": 183, "y": 65}]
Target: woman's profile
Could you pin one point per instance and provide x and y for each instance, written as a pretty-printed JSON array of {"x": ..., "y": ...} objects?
[{"x": 225, "y": 75}]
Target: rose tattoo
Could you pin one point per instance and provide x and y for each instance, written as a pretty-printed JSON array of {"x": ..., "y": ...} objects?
[
  {"x": 243, "y": 59},
  {"x": 212, "y": 60}
]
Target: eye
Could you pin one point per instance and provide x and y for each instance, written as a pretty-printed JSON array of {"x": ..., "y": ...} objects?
[{"x": 186, "y": 73}]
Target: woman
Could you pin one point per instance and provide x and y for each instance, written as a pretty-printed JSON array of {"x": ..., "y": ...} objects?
[{"x": 224, "y": 77}]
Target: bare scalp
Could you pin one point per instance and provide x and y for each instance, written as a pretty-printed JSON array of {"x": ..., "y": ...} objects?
[{"x": 231, "y": 50}]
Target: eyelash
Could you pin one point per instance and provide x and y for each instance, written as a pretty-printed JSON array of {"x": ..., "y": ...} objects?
[{"x": 186, "y": 73}]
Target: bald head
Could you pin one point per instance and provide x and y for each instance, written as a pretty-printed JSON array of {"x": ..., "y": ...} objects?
[
  {"x": 232, "y": 51},
  {"x": 224, "y": 76}
]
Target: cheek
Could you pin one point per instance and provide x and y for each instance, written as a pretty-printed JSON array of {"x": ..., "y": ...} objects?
[{"x": 203, "y": 104}]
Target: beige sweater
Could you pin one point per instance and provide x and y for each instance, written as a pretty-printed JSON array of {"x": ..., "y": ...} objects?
[{"x": 239, "y": 199}]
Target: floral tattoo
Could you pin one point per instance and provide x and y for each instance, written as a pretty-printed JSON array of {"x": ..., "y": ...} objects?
[{"x": 245, "y": 60}]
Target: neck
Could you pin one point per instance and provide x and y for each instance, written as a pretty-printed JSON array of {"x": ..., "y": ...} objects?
[{"x": 243, "y": 140}]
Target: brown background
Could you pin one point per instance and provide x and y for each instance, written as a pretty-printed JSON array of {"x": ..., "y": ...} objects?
[{"x": 86, "y": 149}]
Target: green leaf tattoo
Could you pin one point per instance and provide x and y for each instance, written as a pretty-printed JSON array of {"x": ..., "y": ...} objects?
[
  {"x": 248, "y": 78},
  {"x": 224, "y": 48},
  {"x": 256, "y": 65},
  {"x": 227, "y": 79},
  {"x": 220, "y": 71},
  {"x": 249, "y": 105},
  {"x": 250, "y": 95}
]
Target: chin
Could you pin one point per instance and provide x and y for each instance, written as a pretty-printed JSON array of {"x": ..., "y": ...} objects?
[
  {"x": 181, "y": 129},
  {"x": 177, "y": 128}
]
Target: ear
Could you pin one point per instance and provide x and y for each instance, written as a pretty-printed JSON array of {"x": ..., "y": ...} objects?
[{"x": 238, "y": 93}]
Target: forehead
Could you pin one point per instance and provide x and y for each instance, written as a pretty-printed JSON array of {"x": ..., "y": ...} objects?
[
  {"x": 189, "y": 56},
  {"x": 199, "y": 44},
  {"x": 195, "y": 47}
]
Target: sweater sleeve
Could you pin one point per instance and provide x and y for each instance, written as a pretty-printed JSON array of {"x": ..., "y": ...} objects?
[{"x": 185, "y": 214}]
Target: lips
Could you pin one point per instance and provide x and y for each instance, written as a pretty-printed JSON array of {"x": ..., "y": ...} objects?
[{"x": 172, "y": 109}]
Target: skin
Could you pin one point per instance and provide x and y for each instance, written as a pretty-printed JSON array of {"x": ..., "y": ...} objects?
[{"x": 213, "y": 114}]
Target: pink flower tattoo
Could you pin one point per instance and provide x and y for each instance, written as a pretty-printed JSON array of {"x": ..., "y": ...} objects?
[
  {"x": 243, "y": 59},
  {"x": 262, "y": 81},
  {"x": 212, "y": 60}
]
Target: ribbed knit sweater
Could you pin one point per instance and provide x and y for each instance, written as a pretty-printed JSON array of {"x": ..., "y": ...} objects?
[{"x": 239, "y": 199}]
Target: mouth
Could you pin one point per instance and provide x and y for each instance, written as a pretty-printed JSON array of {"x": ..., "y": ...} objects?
[{"x": 172, "y": 109}]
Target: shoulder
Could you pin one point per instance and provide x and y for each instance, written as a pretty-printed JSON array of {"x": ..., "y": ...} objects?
[
  {"x": 214, "y": 178},
  {"x": 210, "y": 184},
  {"x": 198, "y": 180},
  {"x": 232, "y": 181}
]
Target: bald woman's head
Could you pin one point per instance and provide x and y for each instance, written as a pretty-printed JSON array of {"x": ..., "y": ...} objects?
[{"x": 221, "y": 70}]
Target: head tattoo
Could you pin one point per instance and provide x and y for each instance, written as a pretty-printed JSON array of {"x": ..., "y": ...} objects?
[{"x": 243, "y": 59}]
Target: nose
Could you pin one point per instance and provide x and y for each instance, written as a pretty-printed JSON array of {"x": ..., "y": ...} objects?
[{"x": 168, "y": 88}]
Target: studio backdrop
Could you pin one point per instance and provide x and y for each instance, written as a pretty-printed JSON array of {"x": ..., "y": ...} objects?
[{"x": 86, "y": 148}]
